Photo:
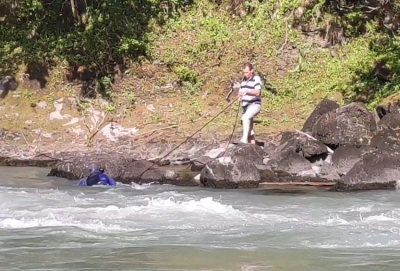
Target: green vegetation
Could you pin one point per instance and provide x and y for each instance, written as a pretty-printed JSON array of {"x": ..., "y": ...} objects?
[{"x": 309, "y": 50}]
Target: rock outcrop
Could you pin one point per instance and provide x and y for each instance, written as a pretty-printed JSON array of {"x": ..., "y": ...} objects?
[
  {"x": 74, "y": 166},
  {"x": 340, "y": 144},
  {"x": 345, "y": 147},
  {"x": 351, "y": 124}
]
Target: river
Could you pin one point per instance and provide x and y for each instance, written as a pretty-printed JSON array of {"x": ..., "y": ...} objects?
[{"x": 50, "y": 224}]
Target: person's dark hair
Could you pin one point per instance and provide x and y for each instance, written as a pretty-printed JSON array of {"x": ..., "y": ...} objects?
[
  {"x": 248, "y": 65},
  {"x": 96, "y": 166}
]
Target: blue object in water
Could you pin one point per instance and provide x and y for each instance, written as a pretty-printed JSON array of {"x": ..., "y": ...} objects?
[{"x": 97, "y": 177}]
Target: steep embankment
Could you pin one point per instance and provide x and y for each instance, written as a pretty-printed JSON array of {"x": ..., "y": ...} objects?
[{"x": 306, "y": 52}]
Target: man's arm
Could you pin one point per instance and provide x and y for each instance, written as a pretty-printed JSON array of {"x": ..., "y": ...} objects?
[
  {"x": 257, "y": 87},
  {"x": 111, "y": 180},
  {"x": 107, "y": 180}
]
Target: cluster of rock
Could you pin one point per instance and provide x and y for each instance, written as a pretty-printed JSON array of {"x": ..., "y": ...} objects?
[
  {"x": 344, "y": 144},
  {"x": 348, "y": 145}
]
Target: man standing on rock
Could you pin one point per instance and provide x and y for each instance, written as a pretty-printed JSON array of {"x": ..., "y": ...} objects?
[{"x": 250, "y": 96}]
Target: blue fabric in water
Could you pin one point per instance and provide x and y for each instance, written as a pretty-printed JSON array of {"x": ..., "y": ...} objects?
[{"x": 97, "y": 177}]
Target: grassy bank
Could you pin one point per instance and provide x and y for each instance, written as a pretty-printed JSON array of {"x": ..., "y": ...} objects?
[{"x": 181, "y": 57}]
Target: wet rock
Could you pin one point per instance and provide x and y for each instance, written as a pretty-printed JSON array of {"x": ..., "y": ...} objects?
[
  {"x": 351, "y": 124},
  {"x": 230, "y": 172},
  {"x": 322, "y": 108},
  {"x": 20, "y": 161},
  {"x": 151, "y": 151},
  {"x": 374, "y": 171},
  {"x": 292, "y": 163},
  {"x": 75, "y": 166},
  {"x": 281, "y": 176},
  {"x": 234, "y": 168},
  {"x": 180, "y": 178},
  {"x": 344, "y": 158}
]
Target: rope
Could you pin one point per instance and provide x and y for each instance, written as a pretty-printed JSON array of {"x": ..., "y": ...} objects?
[
  {"x": 201, "y": 128},
  {"x": 233, "y": 130}
]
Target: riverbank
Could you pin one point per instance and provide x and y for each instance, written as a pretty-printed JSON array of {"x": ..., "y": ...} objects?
[
  {"x": 190, "y": 60},
  {"x": 347, "y": 148}
]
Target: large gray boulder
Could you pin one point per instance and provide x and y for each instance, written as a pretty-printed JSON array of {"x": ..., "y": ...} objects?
[
  {"x": 234, "y": 168},
  {"x": 375, "y": 170},
  {"x": 351, "y": 124},
  {"x": 322, "y": 108},
  {"x": 230, "y": 172}
]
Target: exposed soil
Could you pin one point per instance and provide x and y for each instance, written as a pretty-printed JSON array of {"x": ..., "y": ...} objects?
[{"x": 156, "y": 105}]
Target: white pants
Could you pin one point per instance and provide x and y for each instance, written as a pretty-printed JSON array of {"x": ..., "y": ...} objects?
[{"x": 249, "y": 113}]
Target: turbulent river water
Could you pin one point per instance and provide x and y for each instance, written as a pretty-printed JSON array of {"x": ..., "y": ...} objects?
[{"x": 50, "y": 224}]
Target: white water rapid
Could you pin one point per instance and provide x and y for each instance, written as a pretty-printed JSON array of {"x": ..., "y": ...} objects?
[{"x": 51, "y": 224}]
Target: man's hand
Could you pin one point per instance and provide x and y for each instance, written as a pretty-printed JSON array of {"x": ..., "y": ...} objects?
[
  {"x": 236, "y": 85},
  {"x": 242, "y": 91}
]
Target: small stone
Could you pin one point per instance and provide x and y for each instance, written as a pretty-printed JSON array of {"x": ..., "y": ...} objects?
[
  {"x": 170, "y": 174},
  {"x": 151, "y": 107},
  {"x": 71, "y": 122},
  {"x": 42, "y": 104}
]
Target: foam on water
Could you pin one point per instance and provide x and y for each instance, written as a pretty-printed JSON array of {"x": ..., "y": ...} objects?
[
  {"x": 110, "y": 211},
  {"x": 159, "y": 218}
]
